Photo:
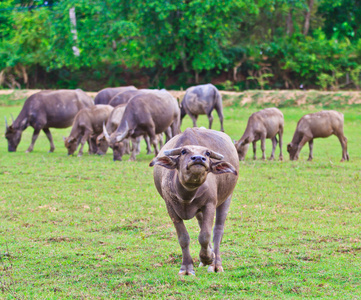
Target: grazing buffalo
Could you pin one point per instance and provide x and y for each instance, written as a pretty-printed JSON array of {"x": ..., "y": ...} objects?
[
  {"x": 44, "y": 110},
  {"x": 111, "y": 125},
  {"x": 105, "y": 95},
  {"x": 262, "y": 125},
  {"x": 146, "y": 114},
  {"x": 195, "y": 173},
  {"x": 317, "y": 125},
  {"x": 201, "y": 100},
  {"x": 88, "y": 123}
]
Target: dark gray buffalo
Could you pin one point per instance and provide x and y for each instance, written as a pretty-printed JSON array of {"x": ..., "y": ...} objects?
[
  {"x": 262, "y": 125},
  {"x": 201, "y": 100},
  {"x": 147, "y": 114},
  {"x": 105, "y": 95},
  {"x": 317, "y": 125},
  {"x": 88, "y": 124},
  {"x": 44, "y": 110},
  {"x": 195, "y": 173}
]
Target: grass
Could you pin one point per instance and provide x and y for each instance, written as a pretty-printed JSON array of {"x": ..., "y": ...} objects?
[{"x": 89, "y": 228}]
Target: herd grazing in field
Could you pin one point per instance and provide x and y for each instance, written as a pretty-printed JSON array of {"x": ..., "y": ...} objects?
[{"x": 196, "y": 171}]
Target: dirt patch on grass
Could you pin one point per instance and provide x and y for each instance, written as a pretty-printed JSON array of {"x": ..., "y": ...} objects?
[{"x": 283, "y": 98}]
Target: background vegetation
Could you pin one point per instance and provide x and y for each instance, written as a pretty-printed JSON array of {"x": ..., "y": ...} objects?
[
  {"x": 89, "y": 228},
  {"x": 237, "y": 44}
]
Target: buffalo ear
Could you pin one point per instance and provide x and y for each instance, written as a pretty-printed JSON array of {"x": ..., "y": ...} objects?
[
  {"x": 165, "y": 161},
  {"x": 222, "y": 167},
  {"x": 289, "y": 147}
]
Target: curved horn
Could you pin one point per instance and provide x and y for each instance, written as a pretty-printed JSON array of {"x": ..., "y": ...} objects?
[
  {"x": 106, "y": 134},
  {"x": 216, "y": 155},
  {"x": 6, "y": 124},
  {"x": 124, "y": 134},
  {"x": 172, "y": 152},
  {"x": 12, "y": 118}
]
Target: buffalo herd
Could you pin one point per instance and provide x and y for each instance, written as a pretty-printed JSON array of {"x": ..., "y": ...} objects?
[{"x": 196, "y": 171}]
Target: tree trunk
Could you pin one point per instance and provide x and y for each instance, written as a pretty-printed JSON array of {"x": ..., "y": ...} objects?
[
  {"x": 289, "y": 23},
  {"x": 306, "y": 27},
  {"x": 197, "y": 77}
]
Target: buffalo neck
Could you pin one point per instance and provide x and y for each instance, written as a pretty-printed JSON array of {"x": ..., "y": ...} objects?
[
  {"x": 185, "y": 192},
  {"x": 19, "y": 120}
]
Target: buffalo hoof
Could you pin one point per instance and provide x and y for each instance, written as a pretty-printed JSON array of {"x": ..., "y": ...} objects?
[
  {"x": 213, "y": 268},
  {"x": 50, "y": 151},
  {"x": 80, "y": 155},
  {"x": 28, "y": 151},
  {"x": 271, "y": 158},
  {"x": 149, "y": 152},
  {"x": 186, "y": 270},
  {"x": 281, "y": 158},
  {"x": 309, "y": 159}
]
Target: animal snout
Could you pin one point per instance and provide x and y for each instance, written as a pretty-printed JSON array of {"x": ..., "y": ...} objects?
[{"x": 198, "y": 158}]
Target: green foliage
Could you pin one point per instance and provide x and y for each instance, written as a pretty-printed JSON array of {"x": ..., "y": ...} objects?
[{"x": 162, "y": 39}]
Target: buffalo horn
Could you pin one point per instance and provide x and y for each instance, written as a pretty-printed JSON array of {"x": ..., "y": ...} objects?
[
  {"x": 6, "y": 124},
  {"x": 124, "y": 134},
  {"x": 12, "y": 118},
  {"x": 216, "y": 155},
  {"x": 106, "y": 134},
  {"x": 171, "y": 152}
]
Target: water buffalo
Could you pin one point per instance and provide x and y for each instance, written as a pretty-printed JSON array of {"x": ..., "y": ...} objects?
[
  {"x": 146, "y": 114},
  {"x": 262, "y": 125},
  {"x": 88, "y": 123},
  {"x": 201, "y": 100},
  {"x": 195, "y": 173},
  {"x": 317, "y": 125},
  {"x": 44, "y": 110},
  {"x": 111, "y": 125},
  {"x": 105, "y": 95}
]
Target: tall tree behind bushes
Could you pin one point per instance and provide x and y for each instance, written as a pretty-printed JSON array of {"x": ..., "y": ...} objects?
[{"x": 279, "y": 43}]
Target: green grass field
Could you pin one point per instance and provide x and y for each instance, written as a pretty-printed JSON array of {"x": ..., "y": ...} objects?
[{"x": 89, "y": 228}]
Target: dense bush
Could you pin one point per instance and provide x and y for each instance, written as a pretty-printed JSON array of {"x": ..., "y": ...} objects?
[{"x": 236, "y": 44}]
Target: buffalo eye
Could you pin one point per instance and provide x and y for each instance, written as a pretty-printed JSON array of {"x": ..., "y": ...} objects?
[
  {"x": 208, "y": 153},
  {"x": 184, "y": 151}
]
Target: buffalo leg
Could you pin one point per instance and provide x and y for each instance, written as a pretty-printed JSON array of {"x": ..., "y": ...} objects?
[
  {"x": 263, "y": 146},
  {"x": 254, "y": 149},
  {"x": 210, "y": 119},
  {"x": 194, "y": 119},
  {"x": 153, "y": 140},
  {"x": 126, "y": 146},
  {"x": 199, "y": 217},
  {"x": 147, "y": 141},
  {"x": 50, "y": 138},
  {"x": 310, "y": 145},
  {"x": 160, "y": 140},
  {"x": 280, "y": 136},
  {"x": 135, "y": 146},
  {"x": 303, "y": 141},
  {"x": 221, "y": 215},
  {"x": 33, "y": 139},
  {"x": 343, "y": 141},
  {"x": 83, "y": 140},
  {"x": 274, "y": 145},
  {"x": 184, "y": 241},
  {"x": 206, "y": 254},
  {"x": 220, "y": 115},
  {"x": 168, "y": 134}
]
